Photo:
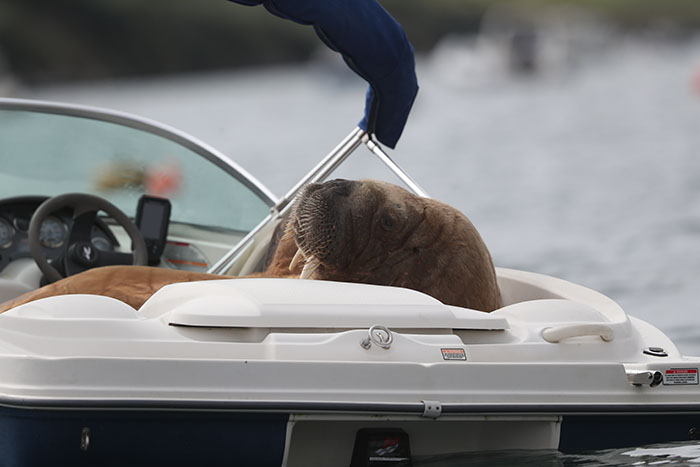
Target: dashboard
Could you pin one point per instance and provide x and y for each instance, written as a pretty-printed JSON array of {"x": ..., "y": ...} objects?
[{"x": 15, "y": 214}]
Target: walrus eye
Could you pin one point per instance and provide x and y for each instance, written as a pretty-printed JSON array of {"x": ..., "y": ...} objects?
[{"x": 388, "y": 223}]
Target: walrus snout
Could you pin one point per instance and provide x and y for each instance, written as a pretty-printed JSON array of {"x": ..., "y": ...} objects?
[{"x": 315, "y": 222}]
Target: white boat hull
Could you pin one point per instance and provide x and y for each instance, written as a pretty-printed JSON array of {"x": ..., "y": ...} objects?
[{"x": 291, "y": 362}]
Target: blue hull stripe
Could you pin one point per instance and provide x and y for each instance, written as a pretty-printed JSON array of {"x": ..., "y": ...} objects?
[
  {"x": 593, "y": 432},
  {"x": 132, "y": 438}
]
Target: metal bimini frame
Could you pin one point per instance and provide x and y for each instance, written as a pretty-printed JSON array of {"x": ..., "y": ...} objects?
[{"x": 318, "y": 174}]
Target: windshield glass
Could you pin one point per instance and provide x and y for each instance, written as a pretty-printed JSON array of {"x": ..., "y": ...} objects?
[{"x": 49, "y": 154}]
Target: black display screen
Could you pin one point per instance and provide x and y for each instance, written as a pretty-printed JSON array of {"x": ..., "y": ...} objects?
[
  {"x": 151, "y": 222},
  {"x": 152, "y": 219}
]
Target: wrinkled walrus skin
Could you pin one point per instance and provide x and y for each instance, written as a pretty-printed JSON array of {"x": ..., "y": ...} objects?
[{"x": 352, "y": 231}]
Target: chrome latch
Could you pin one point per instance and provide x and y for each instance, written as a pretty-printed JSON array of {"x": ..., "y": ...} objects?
[{"x": 379, "y": 335}]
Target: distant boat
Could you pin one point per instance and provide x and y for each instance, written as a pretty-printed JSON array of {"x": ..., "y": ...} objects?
[{"x": 514, "y": 41}]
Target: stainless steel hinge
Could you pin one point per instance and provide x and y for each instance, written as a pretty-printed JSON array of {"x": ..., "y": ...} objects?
[{"x": 432, "y": 409}]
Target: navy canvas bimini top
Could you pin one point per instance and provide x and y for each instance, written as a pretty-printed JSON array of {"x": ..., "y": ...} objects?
[{"x": 373, "y": 45}]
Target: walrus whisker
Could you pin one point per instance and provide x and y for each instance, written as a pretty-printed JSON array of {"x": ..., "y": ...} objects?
[{"x": 311, "y": 265}]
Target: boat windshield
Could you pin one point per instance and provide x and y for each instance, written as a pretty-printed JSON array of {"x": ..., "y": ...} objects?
[{"x": 54, "y": 152}]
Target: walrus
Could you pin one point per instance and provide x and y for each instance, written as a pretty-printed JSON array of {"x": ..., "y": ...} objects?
[
  {"x": 364, "y": 231},
  {"x": 377, "y": 233}
]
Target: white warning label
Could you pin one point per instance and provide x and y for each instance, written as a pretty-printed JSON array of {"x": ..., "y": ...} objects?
[
  {"x": 453, "y": 354},
  {"x": 681, "y": 376}
]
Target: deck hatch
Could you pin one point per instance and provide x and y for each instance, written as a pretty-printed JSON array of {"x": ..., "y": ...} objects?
[{"x": 308, "y": 304}]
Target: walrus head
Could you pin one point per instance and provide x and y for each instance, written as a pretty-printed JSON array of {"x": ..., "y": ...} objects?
[{"x": 378, "y": 233}]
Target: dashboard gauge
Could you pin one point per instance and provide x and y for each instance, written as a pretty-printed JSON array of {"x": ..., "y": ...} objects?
[
  {"x": 101, "y": 243},
  {"x": 21, "y": 223},
  {"x": 53, "y": 232},
  {"x": 7, "y": 234}
]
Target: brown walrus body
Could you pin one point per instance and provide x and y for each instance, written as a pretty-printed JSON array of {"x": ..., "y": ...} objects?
[
  {"x": 353, "y": 231},
  {"x": 377, "y": 233}
]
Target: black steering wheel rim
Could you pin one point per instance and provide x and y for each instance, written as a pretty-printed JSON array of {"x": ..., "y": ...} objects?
[{"x": 81, "y": 203}]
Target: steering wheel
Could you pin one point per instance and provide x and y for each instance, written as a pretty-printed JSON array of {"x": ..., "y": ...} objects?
[{"x": 81, "y": 254}]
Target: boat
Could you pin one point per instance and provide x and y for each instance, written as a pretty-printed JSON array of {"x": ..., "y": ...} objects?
[
  {"x": 269, "y": 371},
  {"x": 522, "y": 41}
]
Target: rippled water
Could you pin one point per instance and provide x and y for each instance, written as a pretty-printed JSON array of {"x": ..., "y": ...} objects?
[
  {"x": 662, "y": 454},
  {"x": 592, "y": 174}
]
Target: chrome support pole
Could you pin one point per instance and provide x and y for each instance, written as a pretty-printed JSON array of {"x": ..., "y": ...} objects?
[
  {"x": 393, "y": 166},
  {"x": 325, "y": 167},
  {"x": 317, "y": 174}
]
